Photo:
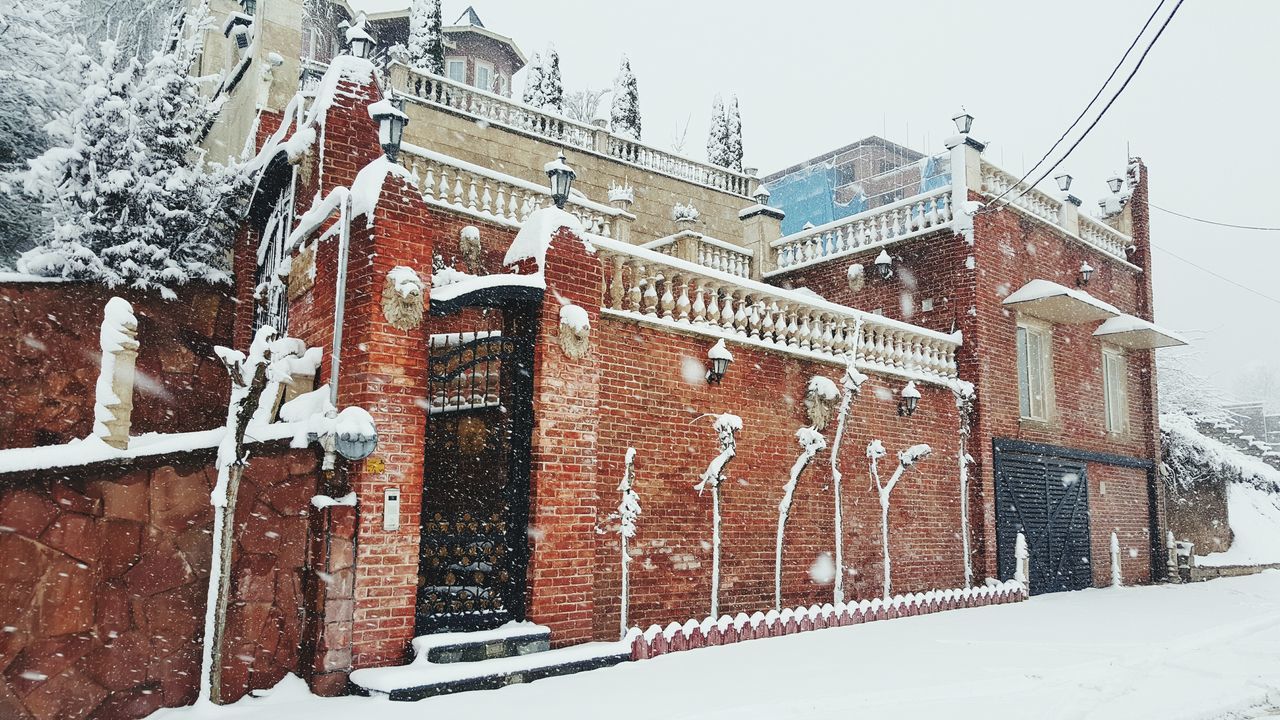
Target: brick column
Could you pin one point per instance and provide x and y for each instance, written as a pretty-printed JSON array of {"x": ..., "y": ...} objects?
[{"x": 564, "y": 502}]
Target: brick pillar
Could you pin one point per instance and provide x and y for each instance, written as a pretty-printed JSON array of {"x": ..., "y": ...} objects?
[
  {"x": 564, "y": 503},
  {"x": 330, "y": 600}
]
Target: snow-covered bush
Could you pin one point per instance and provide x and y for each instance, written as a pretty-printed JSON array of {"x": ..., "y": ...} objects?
[
  {"x": 724, "y": 139},
  {"x": 625, "y": 114},
  {"x": 426, "y": 38}
]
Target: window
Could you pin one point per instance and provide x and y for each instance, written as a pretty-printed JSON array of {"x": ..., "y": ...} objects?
[
  {"x": 1035, "y": 371},
  {"x": 484, "y": 76},
  {"x": 1115, "y": 385},
  {"x": 457, "y": 68}
]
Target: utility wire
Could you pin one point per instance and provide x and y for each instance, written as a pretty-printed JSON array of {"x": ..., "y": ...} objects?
[
  {"x": 1215, "y": 222},
  {"x": 1214, "y": 274},
  {"x": 1110, "y": 102},
  {"x": 1086, "y": 109}
]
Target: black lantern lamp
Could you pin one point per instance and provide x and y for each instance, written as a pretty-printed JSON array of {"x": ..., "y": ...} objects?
[
  {"x": 1115, "y": 183},
  {"x": 359, "y": 40},
  {"x": 1064, "y": 182},
  {"x": 884, "y": 264},
  {"x": 719, "y": 358},
  {"x": 1086, "y": 272},
  {"x": 250, "y": 7},
  {"x": 910, "y": 399},
  {"x": 963, "y": 121},
  {"x": 761, "y": 195},
  {"x": 561, "y": 176},
  {"x": 389, "y": 114}
]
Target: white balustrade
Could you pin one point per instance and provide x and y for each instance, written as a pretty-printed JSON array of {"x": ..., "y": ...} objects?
[
  {"x": 896, "y": 221},
  {"x": 492, "y": 195},
  {"x": 651, "y": 286},
  {"x": 1105, "y": 238},
  {"x": 439, "y": 91},
  {"x": 706, "y": 251}
]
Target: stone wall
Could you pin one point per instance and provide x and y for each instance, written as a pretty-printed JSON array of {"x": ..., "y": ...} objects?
[
  {"x": 104, "y": 572},
  {"x": 47, "y": 378}
]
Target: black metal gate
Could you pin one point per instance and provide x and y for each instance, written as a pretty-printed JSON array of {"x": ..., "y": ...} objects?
[
  {"x": 475, "y": 498},
  {"x": 1047, "y": 499}
]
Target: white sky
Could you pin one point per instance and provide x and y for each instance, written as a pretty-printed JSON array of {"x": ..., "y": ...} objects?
[{"x": 812, "y": 76}]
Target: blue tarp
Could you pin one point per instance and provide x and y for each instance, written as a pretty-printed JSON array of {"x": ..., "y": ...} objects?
[{"x": 808, "y": 195}]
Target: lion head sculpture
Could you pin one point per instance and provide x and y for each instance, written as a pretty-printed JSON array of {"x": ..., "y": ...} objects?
[
  {"x": 820, "y": 401},
  {"x": 403, "y": 298},
  {"x": 471, "y": 250},
  {"x": 575, "y": 332}
]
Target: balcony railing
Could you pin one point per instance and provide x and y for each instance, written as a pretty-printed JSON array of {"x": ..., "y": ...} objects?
[
  {"x": 1047, "y": 208},
  {"x": 651, "y": 287},
  {"x": 706, "y": 251},
  {"x": 442, "y": 92},
  {"x": 495, "y": 196},
  {"x": 879, "y": 226}
]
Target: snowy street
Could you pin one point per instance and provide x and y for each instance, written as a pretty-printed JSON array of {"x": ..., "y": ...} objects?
[{"x": 1126, "y": 653}]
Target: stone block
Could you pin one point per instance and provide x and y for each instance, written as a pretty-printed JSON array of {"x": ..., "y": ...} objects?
[
  {"x": 259, "y": 531},
  {"x": 175, "y": 614},
  {"x": 74, "y": 534},
  {"x": 119, "y": 546},
  {"x": 196, "y": 546},
  {"x": 45, "y": 658},
  {"x": 291, "y": 495},
  {"x": 70, "y": 500},
  {"x": 135, "y": 702},
  {"x": 179, "y": 498},
  {"x": 72, "y": 695},
  {"x": 124, "y": 501},
  {"x": 161, "y": 568},
  {"x": 67, "y": 599},
  {"x": 121, "y": 663},
  {"x": 114, "y": 612},
  {"x": 28, "y": 513}
]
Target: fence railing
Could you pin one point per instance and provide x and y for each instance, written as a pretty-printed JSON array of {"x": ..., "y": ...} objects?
[
  {"x": 887, "y": 223},
  {"x": 494, "y": 195},
  {"x": 706, "y": 251},
  {"x": 442, "y": 92},
  {"x": 1105, "y": 237},
  {"x": 647, "y": 285}
]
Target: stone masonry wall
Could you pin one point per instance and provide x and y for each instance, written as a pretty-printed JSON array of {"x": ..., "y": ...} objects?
[
  {"x": 103, "y": 575},
  {"x": 47, "y": 378}
]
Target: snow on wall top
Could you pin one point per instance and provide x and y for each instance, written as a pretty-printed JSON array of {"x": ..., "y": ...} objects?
[
  {"x": 366, "y": 190},
  {"x": 535, "y": 235}
]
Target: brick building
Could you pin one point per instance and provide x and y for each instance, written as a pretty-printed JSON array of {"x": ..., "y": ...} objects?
[{"x": 519, "y": 361}]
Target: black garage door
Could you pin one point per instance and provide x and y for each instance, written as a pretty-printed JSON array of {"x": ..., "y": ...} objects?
[{"x": 1047, "y": 499}]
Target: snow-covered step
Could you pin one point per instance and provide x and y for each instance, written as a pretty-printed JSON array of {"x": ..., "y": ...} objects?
[
  {"x": 512, "y": 639},
  {"x": 423, "y": 678}
]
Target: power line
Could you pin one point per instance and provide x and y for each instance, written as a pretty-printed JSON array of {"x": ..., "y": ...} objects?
[
  {"x": 1142, "y": 58},
  {"x": 1215, "y": 222},
  {"x": 1214, "y": 274},
  {"x": 1092, "y": 100}
]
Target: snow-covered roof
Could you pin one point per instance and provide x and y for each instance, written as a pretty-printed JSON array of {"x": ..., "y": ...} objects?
[
  {"x": 469, "y": 21},
  {"x": 1056, "y": 303},
  {"x": 1137, "y": 334}
]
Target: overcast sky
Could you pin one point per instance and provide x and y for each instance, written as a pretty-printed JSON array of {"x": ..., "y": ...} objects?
[{"x": 1203, "y": 111}]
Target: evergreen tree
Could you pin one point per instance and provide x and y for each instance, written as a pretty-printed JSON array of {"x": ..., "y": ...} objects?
[
  {"x": 733, "y": 145},
  {"x": 533, "y": 82},
  {"x": 552, "y": 89},
  {"x": 426, "y": 38},
  {"x": 625, "y": 115},
  {"x": 129, "y": 203},
  {"x": 718, "y": 134}
]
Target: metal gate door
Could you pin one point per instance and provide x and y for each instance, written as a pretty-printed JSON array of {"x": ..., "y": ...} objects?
[
  {"x": 1046, "y": 499},
  {"x": 476, "y": 483}
]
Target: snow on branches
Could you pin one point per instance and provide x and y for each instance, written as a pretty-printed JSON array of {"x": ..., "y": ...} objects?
[
  {"x": 906, "y": 459},
  {"x": 542, "y": 85},
  {"x": 727, "y": 427},
  {"x": 625, "y": 114},
  {"x": 811, "y": 443},
  {"x": 426, "y": 38},
  {"x": 724, "y": 139}
]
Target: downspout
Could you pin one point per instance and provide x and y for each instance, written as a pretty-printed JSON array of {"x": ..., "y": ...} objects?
[{"x": 339, "y": 313}]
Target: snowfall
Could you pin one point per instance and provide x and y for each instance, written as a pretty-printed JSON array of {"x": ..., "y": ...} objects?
[{"x": 1181, "y": 652}]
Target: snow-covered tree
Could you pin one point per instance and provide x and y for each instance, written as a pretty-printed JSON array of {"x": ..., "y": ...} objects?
[
  {"x": 727, "y": 427},
  {"x": 625, "y": 115},
  {"x": 583, "y": 105},
  {"x": 851, "y": 386},
  {"x": 733, "y": 142},
  {"x": 964, "y": 397},
  {"x": 718, "y": 134},
  {"x": 552, "y": 87},
  {"x": 906, "y": 459},
  {"x": 628, "y": 511},
  {"x": 811, "y": 443},
  {"x": 426, "y": 38},
  {"x": 130, "y": 204},
  {"x": 533, "y": 82}
]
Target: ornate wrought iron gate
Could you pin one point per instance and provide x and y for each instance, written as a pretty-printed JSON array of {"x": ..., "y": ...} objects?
[
  {"x": 1047, "y": 499},
  {"x": 476, "y": 479}
]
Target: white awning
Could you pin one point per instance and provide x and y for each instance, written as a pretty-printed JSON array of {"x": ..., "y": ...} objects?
[
  {"x": 1135, "y": 333},
  {"x": 1059, "y": 304}
]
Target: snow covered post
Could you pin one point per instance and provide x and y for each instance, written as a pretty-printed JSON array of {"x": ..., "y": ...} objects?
[
  {"x": 963, "y": 392},
  {"x": 726, "y": 426},
  {"x": 906, "y": 458},
  {"x": 1116, "y": 579},
  {"x": 1022, "y": 562},
  {"x": 628, "y": 511},
  {"x": 811, "y": 442},
  {"x": 113, "y": 403},
  {"x": 852, "y": 385},
  {"x": 1171, "y": 558}
]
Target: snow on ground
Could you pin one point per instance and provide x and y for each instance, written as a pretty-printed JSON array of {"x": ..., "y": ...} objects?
[
  {"x": 1255, "y": 521},
  {"x": 1179, "y": 652}
]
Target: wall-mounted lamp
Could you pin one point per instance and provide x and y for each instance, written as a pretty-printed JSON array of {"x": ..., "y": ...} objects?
[
  {"x": 884, "y": 264},
  {"x": 350, "y": 433},
  {"x": 1086, "y": 272},
  {"x": 389, "y": 114},
  {"x": 360, "y": 41},
  {"x": 963, "y": 121},
  {"x": 910, "y": 399},
  {"x": 761, "y": 195},
  {"x": 1115, "y": 183},
  {"x": 1064, "y": 181},
  {"x": 561, "y": 176},
  {"x": 718, "y": 358}
]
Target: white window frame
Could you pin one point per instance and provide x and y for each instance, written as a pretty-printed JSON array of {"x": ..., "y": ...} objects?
[
  {"x": 448, "y": 65},
  {"x": 488, "y": 67},
  {"x": 1035, "y": 370},
  {"x": 1115, "y": 389}
]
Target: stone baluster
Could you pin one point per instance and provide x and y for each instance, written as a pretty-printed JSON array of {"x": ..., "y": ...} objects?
[
  {"x": 682, "y": 302},
  {"x": 740, "y": 317},
  {"x": 713, "y": 303},
  {"x": 649, "y": 299},
  {"x": 635, "y": 290},
  {"x": 726, "y": 308},
  {"x": 699, "y": 307},
  {"x": 770, "y": 308},
  {"x": 668, "y": 301},
  {"x": 616, "y": 291}
]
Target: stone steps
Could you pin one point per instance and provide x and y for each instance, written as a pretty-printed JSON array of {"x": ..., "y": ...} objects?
[{"x": 459, "y": 662}]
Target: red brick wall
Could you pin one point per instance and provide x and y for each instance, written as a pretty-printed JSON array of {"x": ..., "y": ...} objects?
[
  {"x": 1121, "y": 509},
  {"x": 103, "y": 575},
  {"x": 47, "y": 378}
]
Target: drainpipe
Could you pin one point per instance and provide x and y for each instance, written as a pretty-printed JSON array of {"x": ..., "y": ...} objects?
[{"x": 339, "y": 312}]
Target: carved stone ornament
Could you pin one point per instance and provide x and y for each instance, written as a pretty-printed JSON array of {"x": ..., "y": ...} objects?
[
  {"x": 575, "y": 332},
  {"x": 471, "y": 250},
  {"x": 820, "y": 401},
  {"x": 403, "y": 298}
]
